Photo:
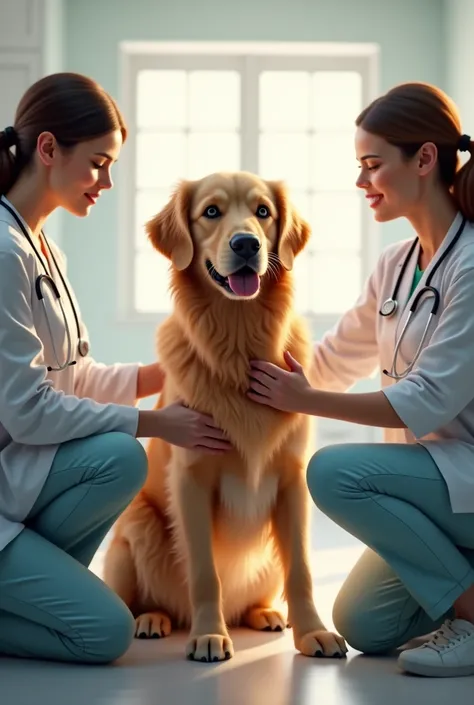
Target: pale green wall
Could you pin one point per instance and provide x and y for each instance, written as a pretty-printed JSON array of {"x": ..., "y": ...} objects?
[
  {"x": 460, "y": 58},
  {"x": 411, "y": 36}
]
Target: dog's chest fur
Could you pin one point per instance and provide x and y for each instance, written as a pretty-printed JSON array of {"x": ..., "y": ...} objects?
[
  {"x": 212, "y": 375},
  {"x": 245, "y": 505}
]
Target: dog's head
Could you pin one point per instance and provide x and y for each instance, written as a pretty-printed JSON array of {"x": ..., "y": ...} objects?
[{"x": 234, "y": 229}]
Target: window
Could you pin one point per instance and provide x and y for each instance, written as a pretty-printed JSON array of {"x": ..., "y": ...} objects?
[{"x": 284, "y": 112}]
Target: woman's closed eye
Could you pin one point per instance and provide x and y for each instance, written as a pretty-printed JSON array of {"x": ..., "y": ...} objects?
[{"x": 369, "y": 168}]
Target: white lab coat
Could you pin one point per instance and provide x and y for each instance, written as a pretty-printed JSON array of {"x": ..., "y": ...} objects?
[
  {"x": 39, "y": 410},
  {"x": 436, "y": 400}
]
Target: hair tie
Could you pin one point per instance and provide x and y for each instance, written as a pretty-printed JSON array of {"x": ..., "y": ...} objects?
[
  {"x": 10, "y": 137},
  {"x": 464, "y": 144}
]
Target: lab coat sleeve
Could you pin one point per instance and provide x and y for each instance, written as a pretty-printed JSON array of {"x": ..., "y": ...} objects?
[
  {"x": 441, "y": 383},
  {"x": 106, "y": 383},
  {"x": 348, "y": 352},
  {"x": 31, "y": 410}
]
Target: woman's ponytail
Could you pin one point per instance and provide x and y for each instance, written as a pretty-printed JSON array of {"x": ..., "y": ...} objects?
[
  {"x": 8, "y": 159},
  {"x": 463, "y": 185}
]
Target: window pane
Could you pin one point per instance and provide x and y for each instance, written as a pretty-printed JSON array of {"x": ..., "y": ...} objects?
[
  {"x": 336, "y": 99},
  {"x": 331, "y": 283},
  {"x": 336, "y": 220},
  {"x": 284, "y": 100},
  {"x": 285, "y": 157},
  {"x": 333, "y": 162},
  {"x": 301, "y": 202},
  {"x": 161, "y": 159},
  {"x": 214, "y": 100},
  {"x": 147, "y": 204},
  {"x": 161, "y": 99},
  {"x": 151, "y": 283},
  {"x": 212, "y": 152}
]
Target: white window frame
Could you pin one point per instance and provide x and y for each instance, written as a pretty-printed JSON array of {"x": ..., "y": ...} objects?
[{"x": 137, "y": 56}]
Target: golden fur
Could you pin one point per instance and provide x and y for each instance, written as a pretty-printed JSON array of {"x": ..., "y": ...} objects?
[{"x": 214, "y": 541}]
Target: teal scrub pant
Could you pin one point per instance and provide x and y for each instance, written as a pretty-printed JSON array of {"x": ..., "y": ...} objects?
[
  {"x": 51, "y": 605},
  {"x": 419, "y": 557}
]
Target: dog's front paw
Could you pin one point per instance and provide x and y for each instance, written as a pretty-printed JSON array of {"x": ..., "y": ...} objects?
[
  {"x": 209, "y": 648},
  {"x": 152, "y": 625},
  {"x": 264, "y": 619},
  {"x": 321, "y": 643}
]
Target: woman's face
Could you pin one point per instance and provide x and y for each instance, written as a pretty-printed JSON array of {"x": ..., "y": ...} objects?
[
  {"x": 393, "y": 184},
  {"x": 77, "y": 176}
]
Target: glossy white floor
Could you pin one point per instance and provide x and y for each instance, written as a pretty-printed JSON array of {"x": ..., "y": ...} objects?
[{"x": 265, "y": 669}]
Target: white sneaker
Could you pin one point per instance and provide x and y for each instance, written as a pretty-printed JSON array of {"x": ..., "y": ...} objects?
[{"x": 449, "y": 652}]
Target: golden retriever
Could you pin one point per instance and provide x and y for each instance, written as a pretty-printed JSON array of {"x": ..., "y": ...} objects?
[{"x": 212, "y": 541}]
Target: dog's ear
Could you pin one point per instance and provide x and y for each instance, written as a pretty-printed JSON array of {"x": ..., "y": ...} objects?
[
  {"x": 169, "y": 231},
  {"x": 294, "y": 231}
]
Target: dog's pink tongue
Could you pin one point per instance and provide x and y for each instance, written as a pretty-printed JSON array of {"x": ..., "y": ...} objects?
[{"x": 244, "y": 284}]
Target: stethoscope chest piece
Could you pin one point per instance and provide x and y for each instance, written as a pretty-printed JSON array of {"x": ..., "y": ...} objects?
[
  {"x": 388, "y": 308},
  {"x": 83, "y": 347}
]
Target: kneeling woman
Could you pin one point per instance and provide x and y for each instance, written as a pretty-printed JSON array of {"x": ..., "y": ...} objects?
[{"x": 410, "y": 499}]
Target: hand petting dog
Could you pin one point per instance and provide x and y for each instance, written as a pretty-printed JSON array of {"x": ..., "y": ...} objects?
[{"x": 286, "y": 390}]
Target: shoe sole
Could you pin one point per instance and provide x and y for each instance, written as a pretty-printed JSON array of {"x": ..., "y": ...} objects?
[{"x": 419, "y": 669}]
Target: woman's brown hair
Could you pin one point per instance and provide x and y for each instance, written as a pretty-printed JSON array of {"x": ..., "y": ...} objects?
[
  {"x": 412, "y": 114},
  {"x": 74, "y": 108}
]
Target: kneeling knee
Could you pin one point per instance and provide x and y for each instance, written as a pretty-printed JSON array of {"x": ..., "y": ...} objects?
[
  {"x": 130, "y": 456},
  {"x": 324, "y": 476},
  {"x": 113, "y": 635},
  {"x": 355, "y": 625}
]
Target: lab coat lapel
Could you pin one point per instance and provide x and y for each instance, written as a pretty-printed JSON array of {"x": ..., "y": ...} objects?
[
  {"x": 407, "y": 281},
  {"x": 450, "y": 235},
  {"x": 404, "y": 298}
]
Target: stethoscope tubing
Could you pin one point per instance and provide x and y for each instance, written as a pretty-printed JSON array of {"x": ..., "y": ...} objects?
[
  {"x": 82, "y": 346},
  {"x": 390, "y": 305}
]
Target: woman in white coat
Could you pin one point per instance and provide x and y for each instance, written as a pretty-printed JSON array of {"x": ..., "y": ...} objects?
[
  {"x": 410, "y": 499},
  {"x": 70, "y": 461}
]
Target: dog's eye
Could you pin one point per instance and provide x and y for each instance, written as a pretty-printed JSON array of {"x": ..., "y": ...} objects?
[
  {"x": 212, "y": 212},
  {"x": 263, "y": 212}
]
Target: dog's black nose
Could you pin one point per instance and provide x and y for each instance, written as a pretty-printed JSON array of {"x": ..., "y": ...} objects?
[{"x": 245, "y": 245}]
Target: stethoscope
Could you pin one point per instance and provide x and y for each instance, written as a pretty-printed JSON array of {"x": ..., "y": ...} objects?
[
  {"x": 45, "y": 279},
  {"x": 390, "y": 305}
]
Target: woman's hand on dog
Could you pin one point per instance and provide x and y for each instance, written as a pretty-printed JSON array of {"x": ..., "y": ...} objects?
[
  {"x": 187, "y": 428},
  {"x": 286, "y": 390}
]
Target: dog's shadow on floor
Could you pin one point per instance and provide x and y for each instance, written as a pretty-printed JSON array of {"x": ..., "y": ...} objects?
[
  {"x": 171, "y": 650},
  {"x": 265, "y": 667}
]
